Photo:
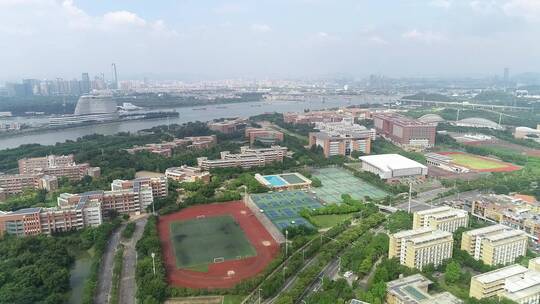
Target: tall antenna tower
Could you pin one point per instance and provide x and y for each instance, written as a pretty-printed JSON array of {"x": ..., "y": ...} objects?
[{"x": 114, "y": 76}]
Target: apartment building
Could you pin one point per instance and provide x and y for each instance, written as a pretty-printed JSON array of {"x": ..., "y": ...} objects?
[
  {"x": 495, "y": 245},
  {"x": 419, "y": 247},
  {"x": 442, "y": 218},
  {"x": 59, "y": 166},
  {"x": 247, "y": 158},
  {"x": 518, "y": 211},
  {"x": 228, "y": 126},
  {"x": 158, "y": 185},
  {"x": 265, "y": 136},
  {"x": 414, "y": 290},
  {"x": 35, "y": 221},
  {"x": 187, "y": 174},
  {"x": 16, "y": 183},
  {"x": 404, "y": 131},
  {"x": 342, "y": 138},
  {"x": 514, "y": 282},
  {"x": 166, "y": 148}
]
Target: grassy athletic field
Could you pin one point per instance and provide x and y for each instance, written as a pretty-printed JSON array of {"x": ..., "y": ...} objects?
[
  {"x": 330, "y": 220},
  {"x": 197, "y": 242},
  {"x": 476, "y": 163}
]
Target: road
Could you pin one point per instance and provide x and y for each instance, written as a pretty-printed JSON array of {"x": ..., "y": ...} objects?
[
  {"x": 105, "y": 274},
  {"x": 128, "y": 287}
]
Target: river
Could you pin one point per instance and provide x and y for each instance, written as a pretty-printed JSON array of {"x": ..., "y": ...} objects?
[{"x": 187, "y": 114}]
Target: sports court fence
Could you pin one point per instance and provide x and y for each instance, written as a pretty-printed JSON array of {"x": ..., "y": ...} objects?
[{"x": 270, "y": 227}]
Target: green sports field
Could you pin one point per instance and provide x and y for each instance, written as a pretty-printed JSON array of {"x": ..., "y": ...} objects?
[
  {"x": 198, "y": 242},
  {"x": 475, "y": 162}
]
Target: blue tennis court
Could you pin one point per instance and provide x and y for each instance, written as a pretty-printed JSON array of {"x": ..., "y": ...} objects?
[{"x": 282, "y": 208}]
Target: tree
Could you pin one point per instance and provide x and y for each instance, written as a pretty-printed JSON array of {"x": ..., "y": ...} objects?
[{"x": 452, "y": 272}]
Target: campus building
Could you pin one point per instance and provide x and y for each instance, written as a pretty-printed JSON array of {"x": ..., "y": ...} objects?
[
  {"x": 187, "y": 174},
  {"x": 514, "y": 282},
  {"x": 264, "y": 136},
  {"x": 158, "y": 185},
  {"x": 393, "y": 166},
  {"x": 166, "y": 148},
  {"x": 228, "y": 126},
  {"x": 414, "y": 290},
  {"x": 313, "y": 117},
  {"x": 58, "y": 166},
  {"x": 419, "y": 247},
  {"x": 342, "y": 138},
  {"x": 528, "y": 133},
  {"x": 495, "y": 245},
  {"x": 247, "y": 158},
  {"x": 441, "y": 218},
  {"x": 404, "y": 131},
  {"x": 518, "y": 211},
  {"x": 34, "y": 221}
]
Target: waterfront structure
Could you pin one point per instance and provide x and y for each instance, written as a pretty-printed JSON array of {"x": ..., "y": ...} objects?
[
  {"x": 514, "y": 282},
  {"x": 442, "y": 218},
  {"x": 264, "y": 136},
  {"x": 12, "y": 184},
  {"x": 7, "y": 126},
  {"x": 165, "y": 148},
  {"x": 59, "y": 166},
  {"x": 285, "y": 181},
  {"x": 228, "y": 126},
  {"x": 517, "y": 211},
  {"x": 444, "y": 162},
  {"x": 393, "y": 166},
  {"x": 404, "y": 131},
  {"x": 89, "y": 108},
  {"x": 312, "y": 117},
  {"x": 187, "y": 174},
  {"x": 342, "y": 138},
  {"x": 414, "y": 290},
  {"x": 495, "y": 245},
  {"x": 419, "y": 247},
  {"x": 247, "y": 158}
]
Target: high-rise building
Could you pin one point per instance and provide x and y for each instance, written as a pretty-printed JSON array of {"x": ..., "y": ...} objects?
[
  {"x": 506, "y": 76},
  {"x": 495, "y": 245},
  {"x": 442, "y": 218},
  {"x": 419, "y": 247},
  {"x": 85, "y": 83}
]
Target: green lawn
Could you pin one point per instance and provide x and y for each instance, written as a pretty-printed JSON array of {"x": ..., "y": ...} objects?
[
  {"x": 197, "y": 242},
  {"x": 233, "y": 299},
  {"x": 476, "y": 163},
  {"x": 330, "y": 220}
]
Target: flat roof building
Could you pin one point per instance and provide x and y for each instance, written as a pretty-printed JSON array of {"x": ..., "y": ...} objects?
[
  {"x": 404, "y": 131},
  {"x": 247, "y": 158},
  {"x": 419, "y": 247},
  {"x": 392, "y": 166},
  {"x": 187, "y": 174},
  {"x": 342, "y": 138},
  {"x": 493, "y": 283},
  {"x": 228, "y": 126},
  {"x": 264, "y": 136},
  {"x": 442, "y": 218},
  {"x": 495, "y": 245},
  {"x": 414, "y": 290}
]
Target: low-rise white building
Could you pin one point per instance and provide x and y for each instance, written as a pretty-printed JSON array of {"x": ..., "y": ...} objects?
[{"x": 393, "y": 166}]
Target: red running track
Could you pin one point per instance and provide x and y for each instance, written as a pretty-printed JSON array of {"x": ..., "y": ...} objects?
[{"x": 217, "y": 275}]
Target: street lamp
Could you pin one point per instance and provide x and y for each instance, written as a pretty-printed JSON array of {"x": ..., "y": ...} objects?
[
  {"x": 154, "y": 262},
  {"x": 259, "y": 295},
  {"x": 286, "y": 243}
]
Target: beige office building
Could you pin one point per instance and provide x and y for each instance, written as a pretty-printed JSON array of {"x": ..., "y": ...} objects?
[
  {"x": 495, "y": 245},
  {"x": 419, "y": 247},
  {"x": 514, "y": 282},
  {"x": 442, "y": 218}
]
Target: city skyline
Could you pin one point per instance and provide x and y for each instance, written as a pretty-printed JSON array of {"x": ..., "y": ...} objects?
[{"x": 240, "y": 39}]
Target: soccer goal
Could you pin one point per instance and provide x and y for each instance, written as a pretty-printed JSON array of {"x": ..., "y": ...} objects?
[
  {"x": 201, "y": 216},
  {"x": 219, "y": 260}
]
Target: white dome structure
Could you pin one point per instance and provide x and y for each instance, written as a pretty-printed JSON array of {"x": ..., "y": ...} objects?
[
  {"x": 92, "y": 104},
  {"x": 477, "y": 122},
  {"x": 431, "y": 118}
]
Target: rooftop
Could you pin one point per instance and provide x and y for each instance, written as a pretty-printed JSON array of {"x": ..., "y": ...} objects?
[
  {"x": 388, "y": 162},
  {"x": 501, "y": 274}
]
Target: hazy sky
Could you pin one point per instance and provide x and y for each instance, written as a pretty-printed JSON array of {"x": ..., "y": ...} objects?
[{"x": 267, "y": 38}]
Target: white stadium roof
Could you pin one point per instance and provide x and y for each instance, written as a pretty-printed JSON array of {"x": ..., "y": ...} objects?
[{"x": 389, "y": 162}]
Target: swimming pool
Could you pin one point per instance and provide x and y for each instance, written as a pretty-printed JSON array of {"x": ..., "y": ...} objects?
[{"x": 275, "y": 180}]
